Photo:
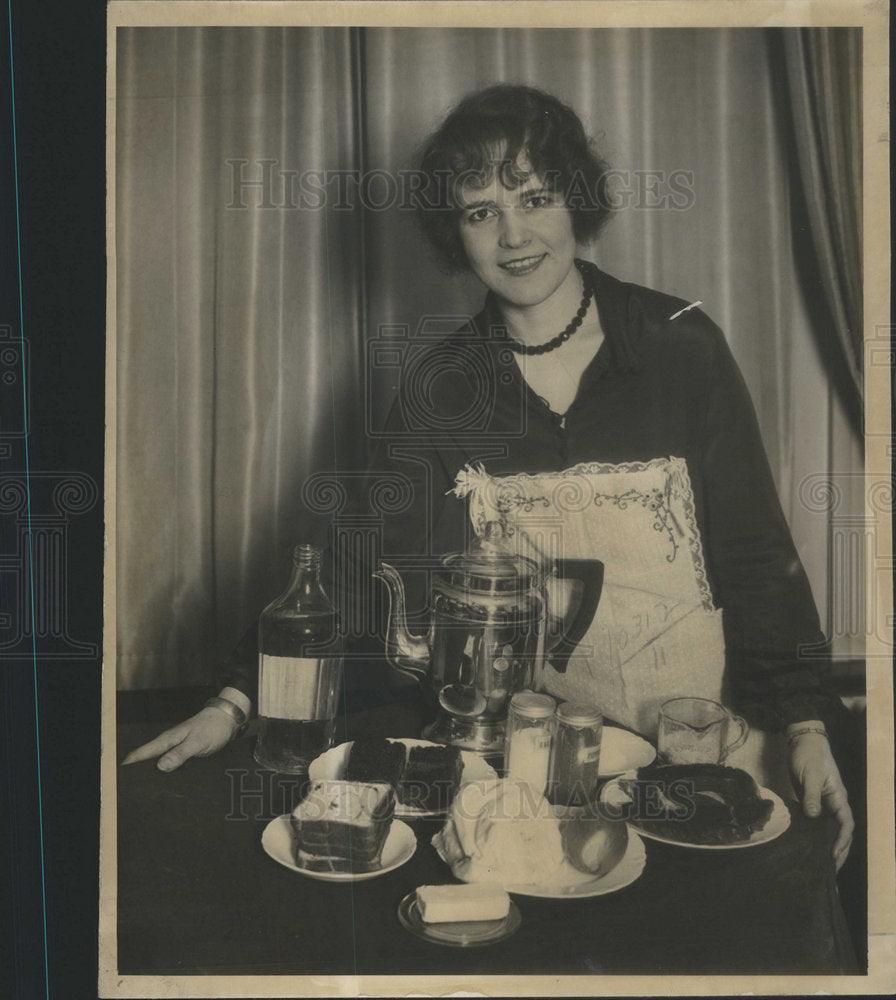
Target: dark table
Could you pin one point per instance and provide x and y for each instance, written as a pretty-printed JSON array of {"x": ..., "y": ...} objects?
[{"x": 198, "y": 895}]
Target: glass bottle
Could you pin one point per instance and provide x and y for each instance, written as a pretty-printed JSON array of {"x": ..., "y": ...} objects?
[
  {"x": 299, "y": 670},
  {"x": 576, "y": 757},
  {"x": 530, "y": 731}
]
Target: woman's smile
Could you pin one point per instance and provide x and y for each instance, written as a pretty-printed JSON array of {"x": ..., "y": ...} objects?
[
  {"x": 522, "y": 265},
  {"x": 519, "y": 241}
]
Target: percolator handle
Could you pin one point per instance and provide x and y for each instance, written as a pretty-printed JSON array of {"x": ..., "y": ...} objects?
[{"x": 591, "y": 573}]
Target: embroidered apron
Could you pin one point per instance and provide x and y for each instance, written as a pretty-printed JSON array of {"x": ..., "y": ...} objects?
[{"x": 656, "y": 633}]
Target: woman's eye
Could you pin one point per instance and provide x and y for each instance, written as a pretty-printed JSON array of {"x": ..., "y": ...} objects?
[
  {"x": 479, "y": 215},
  {"x": 539, "y": 201}
]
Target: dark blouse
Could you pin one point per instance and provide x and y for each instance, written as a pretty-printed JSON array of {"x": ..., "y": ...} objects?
[{"x": 658, "y": 387}]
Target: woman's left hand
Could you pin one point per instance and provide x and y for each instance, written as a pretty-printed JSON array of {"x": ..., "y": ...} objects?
[{"x": 814, "y": 769}]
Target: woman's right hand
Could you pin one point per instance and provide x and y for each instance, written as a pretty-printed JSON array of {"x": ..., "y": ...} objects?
[{"x": 202, "y": 734}]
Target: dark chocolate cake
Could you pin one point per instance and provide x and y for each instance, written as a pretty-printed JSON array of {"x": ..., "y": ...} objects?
[
  {"x": 430, "y": 777},
  {"x": 424, "y": 777},
  {"x": 373, "y": 759}
]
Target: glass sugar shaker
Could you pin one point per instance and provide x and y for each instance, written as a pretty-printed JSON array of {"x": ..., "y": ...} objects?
[
  {"x": 576, "y": 754},
  {"x": 530, "y": 734}
]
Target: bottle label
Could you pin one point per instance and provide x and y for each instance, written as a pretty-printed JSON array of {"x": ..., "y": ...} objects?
[
  {"x": 588, "y": 755},
  {"x": 529, "y": 756},
  {"x": 297, "y": 687}
]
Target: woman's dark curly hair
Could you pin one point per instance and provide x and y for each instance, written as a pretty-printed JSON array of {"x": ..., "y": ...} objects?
[{"x": 506, "y": 120}]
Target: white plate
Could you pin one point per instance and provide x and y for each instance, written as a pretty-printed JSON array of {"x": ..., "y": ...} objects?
[
  {"x": 778, "y": 822},
  {"x": 331, "y": 766},
  {"x": 622, "y": 751},
  {"x": 574, "y": 884},
  {"x": 278, "y": 842}
]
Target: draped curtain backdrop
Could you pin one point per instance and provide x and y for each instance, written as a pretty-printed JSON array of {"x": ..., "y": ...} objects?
[
  {"x": 245, "y": 300},
  {"x": 821, "y": 75}
]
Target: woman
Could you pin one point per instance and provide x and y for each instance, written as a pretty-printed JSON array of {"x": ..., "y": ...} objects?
[{"x": 618, "y": 415}]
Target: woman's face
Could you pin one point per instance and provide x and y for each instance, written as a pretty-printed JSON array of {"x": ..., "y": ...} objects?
[{"x": 519, "y": 241}]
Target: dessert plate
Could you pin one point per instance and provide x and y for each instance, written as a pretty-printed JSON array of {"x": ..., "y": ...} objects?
[
  {"x": 331, "y": 764},
  {"x": 622, "y": 751},
  {"x": 613, "y": 795},
  {"x": 279, "y": 844},
  {"x": 458, "y": 933}
]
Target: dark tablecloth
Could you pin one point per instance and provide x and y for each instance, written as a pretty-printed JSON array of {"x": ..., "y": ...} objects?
[{"x": 197, "y": 894}]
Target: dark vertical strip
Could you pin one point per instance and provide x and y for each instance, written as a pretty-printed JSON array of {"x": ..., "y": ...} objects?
[
  {"x": 360, "y": 144},
  {"x": 358, "y": 83},
  {"x": 218, "y": 62},
  {"x": 17, "y": 268}
]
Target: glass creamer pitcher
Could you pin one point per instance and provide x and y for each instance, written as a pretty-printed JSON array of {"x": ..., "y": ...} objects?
[{"x": 697, "y": 731}]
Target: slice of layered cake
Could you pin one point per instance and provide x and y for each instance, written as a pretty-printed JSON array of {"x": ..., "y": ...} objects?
[{"x": 341, "y": 826}]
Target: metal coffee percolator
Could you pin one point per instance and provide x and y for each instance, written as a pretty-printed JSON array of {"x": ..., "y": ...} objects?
[{"x": 481, "y": 647}]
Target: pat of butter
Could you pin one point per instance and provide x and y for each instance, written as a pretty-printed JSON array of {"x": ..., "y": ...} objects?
[{"x": 442, "y": 904}]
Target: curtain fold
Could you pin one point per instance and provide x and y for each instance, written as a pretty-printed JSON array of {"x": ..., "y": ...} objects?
[
  {"x": 248, "y": 295},
  {"x": 239, "y": 347},
  {"x": 821, "y": 74}
]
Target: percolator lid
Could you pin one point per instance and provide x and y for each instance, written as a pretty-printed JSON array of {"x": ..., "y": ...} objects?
[{"x": 489, "y": 570}]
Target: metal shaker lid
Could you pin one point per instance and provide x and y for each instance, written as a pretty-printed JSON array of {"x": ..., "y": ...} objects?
[
  {"x": 530, "y": 705},
  {"x": 579, "y": 713}
]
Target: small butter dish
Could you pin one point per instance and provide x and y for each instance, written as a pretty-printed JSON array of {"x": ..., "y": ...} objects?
[
  {"x": 459, "y": 930},
  {"x": 443, "y": 904}
]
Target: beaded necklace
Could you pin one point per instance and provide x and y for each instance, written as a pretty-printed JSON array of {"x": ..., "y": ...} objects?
[{"x": 575, "y": 323}]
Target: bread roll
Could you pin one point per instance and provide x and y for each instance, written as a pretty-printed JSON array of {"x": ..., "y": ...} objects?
[{"x": 502, "y": 831}]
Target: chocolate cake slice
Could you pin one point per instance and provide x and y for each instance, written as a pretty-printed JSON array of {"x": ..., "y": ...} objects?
[
  {"x": 372, "y": 759},
  {"x": 697, "y": 803},
  {"x": 430, "y": 778},
  {"x": 341, "y": 826}
]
